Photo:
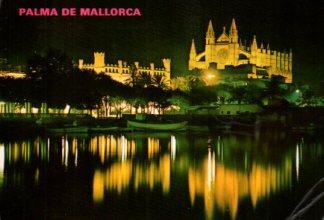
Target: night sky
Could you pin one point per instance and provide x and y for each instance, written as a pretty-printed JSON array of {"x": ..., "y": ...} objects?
[{"x": 166, "y": 29}]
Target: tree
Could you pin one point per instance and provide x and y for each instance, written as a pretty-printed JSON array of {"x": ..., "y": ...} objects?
[
  {"x": 144, "y": 80},
  {"x": 133, "y": 79},
  {"x": 308, "y": 97},
  {"x": 239, "y": 94},
  {"x": 159, "y": 81},
  {"x": 180, "y": 101}
]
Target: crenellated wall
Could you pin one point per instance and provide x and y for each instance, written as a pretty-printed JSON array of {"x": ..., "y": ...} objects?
[{"x": 121, "y": 71}]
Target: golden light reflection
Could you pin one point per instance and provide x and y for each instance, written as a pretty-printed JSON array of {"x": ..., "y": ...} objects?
[
  {"x": 23, "y": 151},
  {"x": 65, "y": 151},
  {"x": 173, "y": 144},
  {"x": 297, "y": 161},
  {"x": 123, "y": 174},
  {"x": 98, "y": 186},
  {"x": 2, "y": 163},
  {"x": 153, "y": 145},
  {"x": 110, "y": 147},
  {"x": 225, "y": 187}
]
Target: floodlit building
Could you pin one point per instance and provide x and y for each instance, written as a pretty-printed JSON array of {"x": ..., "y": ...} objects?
[
  {"x": 121, "y": 72},
  {"x": 227, "y": 50},
  {"x": 12, "y": 74}
]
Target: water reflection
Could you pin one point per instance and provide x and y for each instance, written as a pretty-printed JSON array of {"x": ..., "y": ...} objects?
[
  {"x": 121, "y": 176},
  {"x": 110, "y": 146},
  {"x": 226, "y": 186},
  {"x": 232, "y": 170},
  {"x": 2, "y": 163}
]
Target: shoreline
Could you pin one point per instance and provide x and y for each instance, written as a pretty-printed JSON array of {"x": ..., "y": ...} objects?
[{"x": 196, "y": 123}]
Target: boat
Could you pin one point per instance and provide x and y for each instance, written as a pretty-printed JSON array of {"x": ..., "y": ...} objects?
[
  {"x": 144, "y": 125},
  {"x": 69, "y": 130}
]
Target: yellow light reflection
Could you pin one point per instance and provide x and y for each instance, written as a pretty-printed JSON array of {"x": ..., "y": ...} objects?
[
  {"x": 98, "y": 186},
  {"x": 225, "y": 187},
  {"x": 2, "y": 163},
  {"x": 123, "y": 174},
  {"x": 153, "y": 147},
  {"x": 65, "y": 151},
  {"x": 110, "y": 147},
  {"x": 173, "y": 144}
]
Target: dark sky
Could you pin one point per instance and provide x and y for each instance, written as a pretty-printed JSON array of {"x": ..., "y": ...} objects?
[{"x": 166, "y": 29}]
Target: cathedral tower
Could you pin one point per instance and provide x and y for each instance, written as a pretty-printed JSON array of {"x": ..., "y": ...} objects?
[
  {"x": 233, "y": 32},
  {"x": 192, "y": 55},
  {"x": 210, "y": 35},
  {"x": 254, "y": 51},
  {"x": 210, "y": 42}
]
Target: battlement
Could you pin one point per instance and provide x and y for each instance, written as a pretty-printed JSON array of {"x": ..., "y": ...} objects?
[{"x": 121, "y": 71}]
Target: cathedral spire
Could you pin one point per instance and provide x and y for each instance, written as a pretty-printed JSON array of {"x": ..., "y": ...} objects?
[
  {"x": 233, "y": 25},
  {"x": 254, "y": 45},
  {"x": 210, "y": 35},
  {"x": 193, "y": 52},
  {"x": 233, "y": 32},
  {"x": 210, "y": 31}
]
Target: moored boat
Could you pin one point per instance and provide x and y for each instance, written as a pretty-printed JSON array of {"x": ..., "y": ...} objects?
[
  {"x": 143, "y": 125},
  {"x": 69, "y": 130}
]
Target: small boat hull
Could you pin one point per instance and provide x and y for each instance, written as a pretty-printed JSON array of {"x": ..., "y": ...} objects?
[
  {"x": 69, "y": 130},
  {"x": 157, "y": 127}
]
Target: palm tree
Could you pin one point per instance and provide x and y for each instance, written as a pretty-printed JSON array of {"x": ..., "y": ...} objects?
[
  {"x": 159, "y": 81},
  {"x": 133, "y": 79},
  {"x": 144, "y": 80}
]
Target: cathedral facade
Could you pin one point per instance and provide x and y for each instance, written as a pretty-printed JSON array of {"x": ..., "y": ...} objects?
[
  {"x": 121, "y": 72},
  {"x": 227, "y": 50}
]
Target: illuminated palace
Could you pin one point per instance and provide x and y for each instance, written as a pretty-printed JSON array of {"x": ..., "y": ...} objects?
[
  {"x": 121, "y": 72},
  {"x": 227, "y": 50}
]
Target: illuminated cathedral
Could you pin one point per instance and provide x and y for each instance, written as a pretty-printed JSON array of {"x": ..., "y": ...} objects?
[{"x": 227, "y": 50}]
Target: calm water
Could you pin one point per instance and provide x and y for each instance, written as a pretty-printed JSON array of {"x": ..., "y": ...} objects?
[{"x": 158, "y": 176}]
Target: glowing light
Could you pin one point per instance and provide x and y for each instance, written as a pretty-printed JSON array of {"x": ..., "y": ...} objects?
[
  {"x": 297, "y": 161},
  {"x": 225, "y": 187},
  {"x": 65, "y": 151},
  {"x": 173, "y": 147},
  {"x": 153, "y": 147},
  {"x": 67, "y": 109},
  {"x": 122, "y": 175},
  {"x": 2, "y": 163},
  {"x": 48, "y": 148},
  {"x": 98, "y": 186},
  {"x": 211, "y": 77},
  {"x": 124, "y": 148},
  {"x": 210, "y": 168},
  {"x": 36, "y": 177},
  {"x": 76, "y": 157}
]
